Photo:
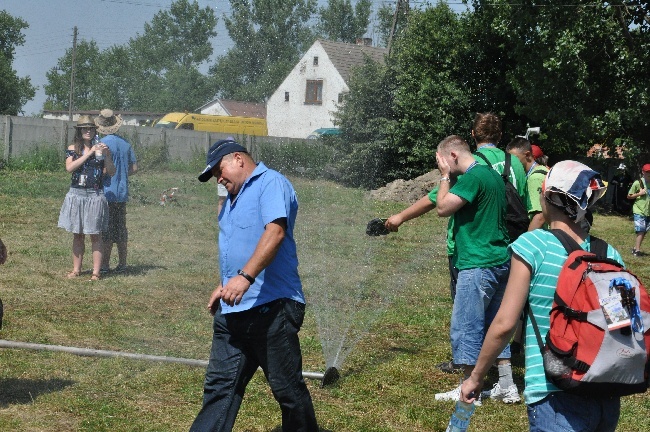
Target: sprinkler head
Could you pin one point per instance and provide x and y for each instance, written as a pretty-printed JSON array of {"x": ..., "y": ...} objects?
[{"x": 330, "y": 376}]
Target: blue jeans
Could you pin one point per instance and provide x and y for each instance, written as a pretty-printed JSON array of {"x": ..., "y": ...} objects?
[
  {"x": 561, "y": 411},
  {"x": 478, "y": 297},
  {"x": 265, "y": 336}
]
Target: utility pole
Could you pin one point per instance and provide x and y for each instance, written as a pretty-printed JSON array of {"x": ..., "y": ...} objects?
[
  {"x": 74, "y": 54},
  {"x": 394, "y": 26}
]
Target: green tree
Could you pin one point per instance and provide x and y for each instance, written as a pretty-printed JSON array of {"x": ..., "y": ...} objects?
[
  {"x": 365, "y": 118},
  {"x": 156, "y": 71},
  {"x": 268, "y": 36},
  {"x": 57, "y": 89},
  {"x": 14, "y": 90},
  {"x": 579, "y": 71},
  {"x": 342, "y": 22},
  {"x": 432, "y": 98}
]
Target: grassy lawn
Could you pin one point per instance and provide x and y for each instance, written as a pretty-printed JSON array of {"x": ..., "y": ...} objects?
[{"x": 381, "y": 303}]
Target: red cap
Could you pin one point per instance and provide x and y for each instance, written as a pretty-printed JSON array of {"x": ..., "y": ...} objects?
[
  {"x": 645, "y": 168},
  {"x": 538, "y": 153}
]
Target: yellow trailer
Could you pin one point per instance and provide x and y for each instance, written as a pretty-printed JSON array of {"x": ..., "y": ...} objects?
[{"x": 214, "y": 123}]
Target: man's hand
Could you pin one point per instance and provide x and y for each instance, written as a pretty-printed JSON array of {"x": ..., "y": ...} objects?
[
  {"x": 213, "y": 303},
  {"x": 443, "y": 166}
]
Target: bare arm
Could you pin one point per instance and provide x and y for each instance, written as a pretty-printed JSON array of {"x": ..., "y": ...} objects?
[
  {"x": 265, "y": 252},
  {"x": 502, "y": 327},
  {"x": 109, "y": 166},
  {"x": 417, "y": 209},
  {"x": 133, "y": 168},
  {"x": 73, "y": 165},
  {"x": 537, "y": 221}
]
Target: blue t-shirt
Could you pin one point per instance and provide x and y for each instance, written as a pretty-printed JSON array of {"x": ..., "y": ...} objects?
[
  {"x": 116, "y": 188},
  {"x": 264, "y": 197}
]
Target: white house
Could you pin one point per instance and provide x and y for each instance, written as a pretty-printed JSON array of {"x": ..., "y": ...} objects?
[
  {"x": 311, "y": 92},
  {"x": 227, "y": 107}
]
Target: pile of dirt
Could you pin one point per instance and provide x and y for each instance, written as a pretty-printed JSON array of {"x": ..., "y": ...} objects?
[{"x": 407, "y": 191}]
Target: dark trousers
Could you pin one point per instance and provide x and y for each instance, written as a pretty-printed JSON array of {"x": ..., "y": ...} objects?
[{"x": 265, "y": 336}]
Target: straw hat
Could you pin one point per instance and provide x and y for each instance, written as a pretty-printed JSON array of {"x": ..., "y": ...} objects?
[
  {"x": 85, "y": 121},
  {"x": 107, "y": 122}
]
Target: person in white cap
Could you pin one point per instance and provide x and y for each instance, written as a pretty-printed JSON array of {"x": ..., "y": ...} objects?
[{"x": 569, "y": 190}]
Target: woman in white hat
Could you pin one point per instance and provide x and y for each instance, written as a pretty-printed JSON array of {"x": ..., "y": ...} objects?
[{"x": 85, "y": 209}]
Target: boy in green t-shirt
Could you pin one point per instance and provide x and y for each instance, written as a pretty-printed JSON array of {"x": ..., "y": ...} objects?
[
  {"x": 641, "y": 209},
  {"x": 474, "y": 195}
]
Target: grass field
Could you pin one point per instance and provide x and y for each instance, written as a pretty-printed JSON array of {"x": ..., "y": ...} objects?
[{"x": 395, "y": 287}]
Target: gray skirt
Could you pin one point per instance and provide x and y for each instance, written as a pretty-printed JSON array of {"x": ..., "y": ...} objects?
[{"x": 84, "y": 211}]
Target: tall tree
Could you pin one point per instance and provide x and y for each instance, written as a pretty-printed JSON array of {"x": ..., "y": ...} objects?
[
  {"x": 57, "y": 90},
  {"x": 14, "y": 91},
  {"x": 156, "y": 71},
  {"x": 578, "y": 70},
  {"x": 268, "y": 36},
  {"x": 341, "y": 21}
]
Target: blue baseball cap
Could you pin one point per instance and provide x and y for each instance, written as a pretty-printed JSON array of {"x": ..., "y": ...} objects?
[{"x": 218, "y": 150}]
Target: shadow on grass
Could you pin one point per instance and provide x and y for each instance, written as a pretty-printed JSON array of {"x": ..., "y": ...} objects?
[
  {"x": 137, "y": 270},
  {"x": 24, "y": 391}
]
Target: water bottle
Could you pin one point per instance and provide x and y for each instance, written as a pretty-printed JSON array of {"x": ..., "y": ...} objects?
[
  {"x": 99, "y": 155},
  {"x": 460, "y": 418}
]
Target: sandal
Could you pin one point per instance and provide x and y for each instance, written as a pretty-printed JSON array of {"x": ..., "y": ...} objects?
[
  {"x": 71, "y": 275},
  {"x": 95, "y": 277}
]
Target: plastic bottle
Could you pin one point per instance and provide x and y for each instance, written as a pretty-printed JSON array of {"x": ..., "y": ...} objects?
[{"x": 460, "y": 418}]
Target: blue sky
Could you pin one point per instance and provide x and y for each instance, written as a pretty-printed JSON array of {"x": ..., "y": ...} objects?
[{"x": 107, "y": 22}]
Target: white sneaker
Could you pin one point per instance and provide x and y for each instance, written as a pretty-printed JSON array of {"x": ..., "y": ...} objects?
[
  {"x": 454, "y": 395},
  {"x": 509, "y": 395}
]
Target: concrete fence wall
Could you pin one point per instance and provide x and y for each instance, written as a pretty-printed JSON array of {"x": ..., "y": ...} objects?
[{"x": 19, "y": 135}]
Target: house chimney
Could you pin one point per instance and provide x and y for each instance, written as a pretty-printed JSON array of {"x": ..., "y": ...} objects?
[{"x": 364, "y": 41}]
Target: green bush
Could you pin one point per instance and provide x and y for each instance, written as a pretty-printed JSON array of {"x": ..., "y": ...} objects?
[
  {"x": 297, "y": 157},
  {"x": 41, "y": 158}
]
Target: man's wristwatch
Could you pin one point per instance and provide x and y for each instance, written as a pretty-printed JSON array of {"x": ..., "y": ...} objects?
[
  {"x": 447, "y": 179},
  {"x": 246, "y": 276}
]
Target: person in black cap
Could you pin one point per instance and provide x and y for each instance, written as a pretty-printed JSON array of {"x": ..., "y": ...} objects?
[{"x": 258, "y": 305}]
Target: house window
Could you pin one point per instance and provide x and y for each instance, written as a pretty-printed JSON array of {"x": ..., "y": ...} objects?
[
  {"x": 286, "y": 96},
  {"x": 314, "y": 93},
  {"x": 315, "y": 60}
]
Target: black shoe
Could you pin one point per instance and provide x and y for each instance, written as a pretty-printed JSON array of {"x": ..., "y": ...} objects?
[{"x": 449, "y": 367}]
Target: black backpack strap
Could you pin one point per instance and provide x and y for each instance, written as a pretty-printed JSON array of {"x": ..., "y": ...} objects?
[
  {"x": 482, "y": 156},
  {"x": 567, "y": 241},
  {"x": 506, "y": 170},
  {"x": 597, "y": 246},
  {"x": 533, "y": 321}
]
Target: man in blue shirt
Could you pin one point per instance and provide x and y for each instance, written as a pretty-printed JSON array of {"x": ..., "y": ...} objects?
[
  {"x": 259, "y": 305},
  {"x": 116, "y": 188}
]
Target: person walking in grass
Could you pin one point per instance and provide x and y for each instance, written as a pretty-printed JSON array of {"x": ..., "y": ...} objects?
[
  {"x": 116, "y": 188},
  {"x": 569, "y": 190},
  {"x": 258, "y": 305},
  {"x": 85, "y": 209},
  {"x": 475, "y": 195},
  {"x": 641, "y": 209}
]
